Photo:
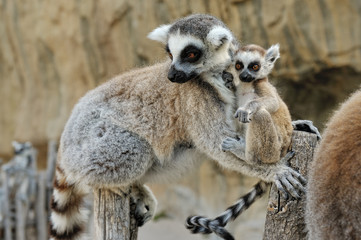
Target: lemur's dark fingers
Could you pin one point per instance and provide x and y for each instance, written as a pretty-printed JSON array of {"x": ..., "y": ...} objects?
[
  {"x": 307, "y": 126},
  {"x": 291, "y": 189},
  {"x": 287, "y": 157},
  {"x": 236, "y": 114},
  {"x": 299, "y": 176},
  {"x": 281, "y": 189},
  {"x": 296, "y": 184}
]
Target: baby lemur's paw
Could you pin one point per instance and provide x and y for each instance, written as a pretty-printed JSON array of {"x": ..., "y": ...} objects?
[
  {"x": 243, "y": 115},
  {"x": 145, "y": 204}
]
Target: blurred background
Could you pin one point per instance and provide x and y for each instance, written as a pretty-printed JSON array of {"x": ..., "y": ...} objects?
[{"x": 53, "y": 52}]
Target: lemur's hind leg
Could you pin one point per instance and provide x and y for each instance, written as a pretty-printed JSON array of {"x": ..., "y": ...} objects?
[
  {"x": 262, "y": 143},
  {"x": 145, "y": 202}
]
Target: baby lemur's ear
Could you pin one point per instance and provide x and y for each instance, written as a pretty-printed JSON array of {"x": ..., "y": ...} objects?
[
  {"x": 218, "y": 36},
  {"x": 160, "y": 33},
  {"x": 273, "y": 53}
]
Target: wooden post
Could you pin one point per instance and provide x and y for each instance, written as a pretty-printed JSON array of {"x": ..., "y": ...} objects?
[
  {"x": 40, "y": 207},
  {"x": 285, "y": 219},
  {"x": 114, "y": 215}
]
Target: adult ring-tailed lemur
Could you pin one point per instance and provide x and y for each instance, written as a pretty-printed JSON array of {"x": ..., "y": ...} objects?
[{"x": 151, "y": 124}]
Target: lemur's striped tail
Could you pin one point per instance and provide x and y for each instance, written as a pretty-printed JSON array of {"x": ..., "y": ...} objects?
[
  {"x": 68, "y": 216},
  {"x": 198, "y": 224}
]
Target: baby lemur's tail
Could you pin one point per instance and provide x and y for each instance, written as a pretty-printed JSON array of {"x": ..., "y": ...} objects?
[
  {"x": 68, "y": 215},
  {"x": 198, "y": 224}
]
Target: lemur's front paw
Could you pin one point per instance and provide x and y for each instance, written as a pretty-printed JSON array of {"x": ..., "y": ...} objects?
[
  {"x": 289, "y": 181},
  {"x": 243, "y": 115},
  {"x": 307, "y": 126},
  {"x": 231, "y": 144}
]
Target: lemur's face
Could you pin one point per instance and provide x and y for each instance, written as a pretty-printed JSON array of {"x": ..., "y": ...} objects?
[
  {"x": 187, "y": 54},
  {"x": 194, "y": 48},
  {"x": 20, "y": 147},
  {"x": 252, "y": 62},
  {"x": 248, "y": 66}
]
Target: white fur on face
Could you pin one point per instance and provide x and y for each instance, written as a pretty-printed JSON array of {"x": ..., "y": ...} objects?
[
  {"x": 248, "y": 57},
  {"x": 178, "y": 42},
  {"x": 220, "y": 59}
]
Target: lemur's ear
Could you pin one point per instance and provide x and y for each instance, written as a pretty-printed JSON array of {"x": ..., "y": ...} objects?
[
  {"x": 273, "y": 53},
  {"x": 160, "y": 33},
  {"x": 218, "y": 36},
  {"x": 16, "y": 145}
]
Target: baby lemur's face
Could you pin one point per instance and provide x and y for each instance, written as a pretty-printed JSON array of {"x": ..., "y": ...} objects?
[{"x": 252, "y": 62}]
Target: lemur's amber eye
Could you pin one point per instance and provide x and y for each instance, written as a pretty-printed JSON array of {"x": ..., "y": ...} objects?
[
  {"x": 239, "y": 66},
  {"x": 170, "y": 56},
  {"x": 191, "y": 55},
  {"x": 255, "y": 67}
]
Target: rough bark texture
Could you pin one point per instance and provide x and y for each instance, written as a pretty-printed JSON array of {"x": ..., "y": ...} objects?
[
  {"x": 285, "y": 219},
  {"x": 114, "y": 216}
]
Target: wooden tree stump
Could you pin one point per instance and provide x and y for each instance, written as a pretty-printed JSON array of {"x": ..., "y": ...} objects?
[
  {"x": 285, "y": 219},
  {"x": 114, "y": 215}
]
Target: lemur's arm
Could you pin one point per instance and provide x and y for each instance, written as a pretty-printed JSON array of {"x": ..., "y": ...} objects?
[
  {"x": 208, "y": 139},
  {"x": 269, "y": 103}
]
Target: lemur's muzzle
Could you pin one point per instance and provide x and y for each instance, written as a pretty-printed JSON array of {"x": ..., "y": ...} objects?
[
  {"x": 246, "y": 77},
  {"x": 177, "y": 76}
]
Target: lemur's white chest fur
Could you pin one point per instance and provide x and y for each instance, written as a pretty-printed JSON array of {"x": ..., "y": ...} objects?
[{"x": 245, "y": 93}]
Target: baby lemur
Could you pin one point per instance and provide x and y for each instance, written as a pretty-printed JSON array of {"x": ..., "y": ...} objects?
[
  {"x": 264, "y": 118},
  {"x": 265, "y": 126}
]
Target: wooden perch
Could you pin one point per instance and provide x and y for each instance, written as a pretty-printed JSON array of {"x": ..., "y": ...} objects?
[
  {"x": 114, "y": 215},
  {"x": 114, "y": 210},
  {"x": 285, "y": 219}
]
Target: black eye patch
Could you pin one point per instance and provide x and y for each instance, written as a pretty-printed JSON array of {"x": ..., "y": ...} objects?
[
  {"x": 191, "y": 54},
  {"x": 254, "y": 66},
  {"x": 167, "y": 49}
]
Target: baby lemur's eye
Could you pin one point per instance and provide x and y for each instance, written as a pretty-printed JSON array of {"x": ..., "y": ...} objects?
[
  {"x": 255, "y": 67},
  {"x": 239, "y": 65},
  {"x": 170, "y": 56}
]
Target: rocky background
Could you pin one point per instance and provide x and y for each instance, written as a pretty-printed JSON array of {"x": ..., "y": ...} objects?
[{"x": 52, "y": 52}]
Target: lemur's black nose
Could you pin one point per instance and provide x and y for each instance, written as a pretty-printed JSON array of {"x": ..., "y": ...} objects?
[
  {"x": 175, "y": 75},
  {"x": 246, "y": 77}
]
